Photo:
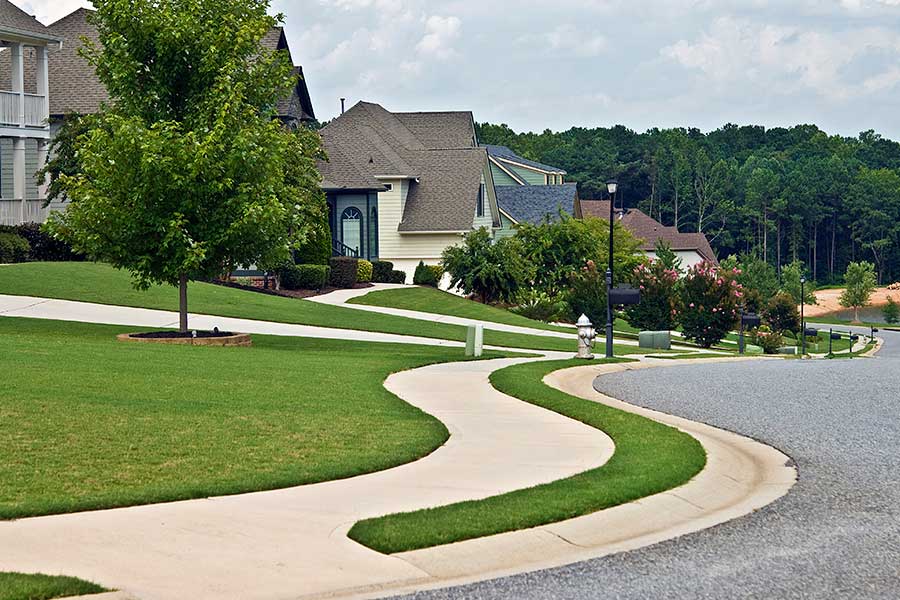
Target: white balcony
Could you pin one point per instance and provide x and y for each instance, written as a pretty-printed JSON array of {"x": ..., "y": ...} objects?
[
  {"x": 13, "y": 115},
  {"x": 14, "y": 212}
]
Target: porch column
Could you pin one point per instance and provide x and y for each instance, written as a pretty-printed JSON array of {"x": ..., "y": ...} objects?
[
  {"x": 19, "y": 175},
  {"x": 43, "y": 79},
  {"x": 43, "y": 152},
  {"x": 18, "y": 77}
]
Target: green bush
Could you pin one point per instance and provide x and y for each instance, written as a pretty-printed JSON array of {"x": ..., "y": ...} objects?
[
  {"x": 364, "y": 271},
  {"x": 344, "y": 271},
  {"x": 770, "y": 341},
  {"x": 540, "y": 306},
  {"x": 781, "y": 313},
  {"x": 492, "y": 270},
  {"x": 587, "y": 294},
  {"x": 397, "y": 277},
  {"x": 317, "y": 248},
  {"x": 659, "y": 306},
  {"x": 44, "y": 247},
  {"x": 709, "y": 298},
  {"x": 428, "y": 274},
  {"x": 891, "y": 311},
  {"x": 381, "y": 271},
  {"x": 13, "y": 248}
]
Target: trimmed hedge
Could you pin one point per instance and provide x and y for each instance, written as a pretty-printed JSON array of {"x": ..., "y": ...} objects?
[
  {"x": 303, "y": 277},
  {"x": 344, "y": 271},
  {"x": 397, "y": 277},
  {"x": 13, "y": 248},
  {"x": 364, "y": 271},
  {"x": 43, "y": 246},
  {"x": 381, "y": 271},
  {"x": 428, "y": 274}
]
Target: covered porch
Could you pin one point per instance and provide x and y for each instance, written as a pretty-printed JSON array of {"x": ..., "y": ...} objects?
[{"x": 353, "y": 219}]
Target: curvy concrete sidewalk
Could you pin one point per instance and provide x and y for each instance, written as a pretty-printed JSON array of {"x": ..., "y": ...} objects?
[{"x": 292, "y": 543}]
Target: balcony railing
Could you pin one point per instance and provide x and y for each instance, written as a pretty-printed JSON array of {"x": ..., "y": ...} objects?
[
  {"x": 14, "y": 212},
  {"x": 35, "y": 110}
]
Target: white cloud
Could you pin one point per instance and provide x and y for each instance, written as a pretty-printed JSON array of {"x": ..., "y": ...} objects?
[
  {"x": 565, "y": 40},
  {"x": 440, "y": 33}
]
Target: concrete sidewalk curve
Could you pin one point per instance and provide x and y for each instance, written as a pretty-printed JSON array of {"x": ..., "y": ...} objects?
[{"x": 292, "y": 542}]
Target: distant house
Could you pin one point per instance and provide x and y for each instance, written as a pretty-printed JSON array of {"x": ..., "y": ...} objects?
[
  {"x": 691, "y": 248},
  {"x": 528, "y": 191},
  {"x": 403, "y": 187},
  {"x": 24, "y": 130}
]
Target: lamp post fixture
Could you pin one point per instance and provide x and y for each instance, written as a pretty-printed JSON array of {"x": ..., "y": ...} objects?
[
  {"x": 802, "y": 316},
  {"x": 612, "y": 186}
]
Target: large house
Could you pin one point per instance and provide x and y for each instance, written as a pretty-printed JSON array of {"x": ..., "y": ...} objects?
[
  {"x": 43, "y": 79},
  {"x": 24, "y": 109},
  {"x": 403, "y": 187},
  {"x": 691, "y": 248}
]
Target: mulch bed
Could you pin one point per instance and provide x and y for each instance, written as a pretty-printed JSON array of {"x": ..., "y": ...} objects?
[{"x": 158, "y": 335}]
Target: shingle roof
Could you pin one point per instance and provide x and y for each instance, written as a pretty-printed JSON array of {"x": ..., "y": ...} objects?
[
  {"x": 75, "y": 87},
  {"x": 504, "y": 153},
  {"x": 436, "y": 148},
  {"x": 649, "y": 230},
  {"x": 15, "y": 20},
  {"x": 535, "y": 203}
]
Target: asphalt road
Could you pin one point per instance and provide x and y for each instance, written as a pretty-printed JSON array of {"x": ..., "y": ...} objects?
[{"x": 835, "y": 535}]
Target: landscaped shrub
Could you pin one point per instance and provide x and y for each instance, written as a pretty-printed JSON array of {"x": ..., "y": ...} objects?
[
  {"x": 381, "y": 271},
  {"x": 770, "y": 341},
  {"x": 317, "y": 248},
  {"x": 312, "y": 277},
  {"x": 44, "y": 247},
  {"x": 540, "y": 306},
  {"x": 891, "y": 311},
  {"x": 659, "y": 309},
  {"x": 428, "y": 274},
  {"x": 781, "y": 314},
  {"x": 587, "y": 294},
  {"x": 363, "y": 271},
  {"x": 491, "y": 270},
  {"x": 709, "y": 300},
  {"x": 13, "y": 248},
  {"x": 344, "y": 271},
  {"x": 397, "y": 277}
]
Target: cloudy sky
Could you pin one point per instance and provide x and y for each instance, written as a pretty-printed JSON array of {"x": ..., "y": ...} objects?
[{"x": 537, "y": 64}]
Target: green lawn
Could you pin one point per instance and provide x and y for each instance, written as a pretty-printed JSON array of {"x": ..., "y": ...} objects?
[
  {"x": 99, "y": 283},
  {"x": 650, "y": 457},
  {"x": 87, "y": 422},
  {"x": 431, "y": 300},
  {"x": 23, "y": 586}
]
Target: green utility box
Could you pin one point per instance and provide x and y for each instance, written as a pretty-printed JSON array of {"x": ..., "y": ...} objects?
[{"x": 655, "y": 340}]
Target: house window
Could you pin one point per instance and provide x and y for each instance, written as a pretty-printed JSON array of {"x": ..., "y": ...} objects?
[
  {"x": 389, "y": 186},
  {"x": 479, "y": 208},
  {"x": 351, "y": 228}
]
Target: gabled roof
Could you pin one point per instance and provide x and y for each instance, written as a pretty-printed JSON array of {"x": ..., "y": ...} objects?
[
  {"x": 535, "y": 203},
  {"x": 649, "y": 230},
  {"x": 75, "y": 87},
  {"x": 436, "y": 152},
  {"x": 16, "y": 21},
  {"x": 503, "y": 153}
]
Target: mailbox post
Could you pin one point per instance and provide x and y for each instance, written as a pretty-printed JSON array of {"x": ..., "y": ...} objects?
[{"x": 748, "y": 321}]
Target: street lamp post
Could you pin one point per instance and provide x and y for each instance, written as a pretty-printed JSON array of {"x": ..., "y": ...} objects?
[
  {"x": 802, "y": 316},
  {"x": 611, "y": 187}
]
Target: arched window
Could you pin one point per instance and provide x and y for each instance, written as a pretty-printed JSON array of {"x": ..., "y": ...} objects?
[{"x": 351, "y": 228}]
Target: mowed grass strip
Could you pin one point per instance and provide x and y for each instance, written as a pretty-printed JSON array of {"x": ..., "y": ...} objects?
[
  {"x": 87, "y": 422},
  {"x": 28, "y": 586},
  {"x": 431, "y": 300},
  {"x": 100, "y": 283},
  {"x": 649, "y": 458}
]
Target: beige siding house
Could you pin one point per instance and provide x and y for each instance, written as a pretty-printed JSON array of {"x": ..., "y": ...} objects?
[{"x": 402, "y": 187}]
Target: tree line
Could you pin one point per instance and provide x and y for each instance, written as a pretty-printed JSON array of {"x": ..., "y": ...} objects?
[{"x": 781, "y": 195}]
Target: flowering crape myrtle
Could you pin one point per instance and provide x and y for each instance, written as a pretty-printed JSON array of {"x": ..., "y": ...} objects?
[{"x": 710, "y": 297}]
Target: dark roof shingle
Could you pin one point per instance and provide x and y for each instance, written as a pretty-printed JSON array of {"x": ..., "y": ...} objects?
[
  {"x": 15, "y": 20},
  {"x": 535, "y": 203}
]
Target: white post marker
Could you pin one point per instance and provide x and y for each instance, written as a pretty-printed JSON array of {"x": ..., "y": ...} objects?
[{"x": 479, "y": 340}]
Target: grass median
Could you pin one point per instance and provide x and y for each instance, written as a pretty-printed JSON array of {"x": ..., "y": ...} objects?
[
  {"x": 649, "y": 458},
  {"x": 87, "y": 422},
  {"x": 28, "y": 586}
]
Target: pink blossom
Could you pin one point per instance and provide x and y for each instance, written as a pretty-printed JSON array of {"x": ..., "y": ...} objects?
[{"x": 692, "y": 305}]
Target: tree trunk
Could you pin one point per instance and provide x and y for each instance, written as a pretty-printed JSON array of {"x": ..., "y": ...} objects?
[
  {"x": 182, "y": 303},
  {"x": 778, "y": 241},
  {"x": 833, "y": 240},
  {"x": 815, "y": 260}
]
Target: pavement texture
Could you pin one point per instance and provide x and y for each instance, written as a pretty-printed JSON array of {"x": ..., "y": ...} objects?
[{"x": 835, "y": 535}]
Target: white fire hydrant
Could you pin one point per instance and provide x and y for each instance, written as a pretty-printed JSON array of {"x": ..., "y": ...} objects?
[{"x": 586, "y": 335}]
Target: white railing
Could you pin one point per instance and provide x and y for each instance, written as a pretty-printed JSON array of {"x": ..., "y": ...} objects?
[
  {"x": 12, "y": 212},
  {"x": 9, "y": 108},
  {"x": 34, "y": 111}
]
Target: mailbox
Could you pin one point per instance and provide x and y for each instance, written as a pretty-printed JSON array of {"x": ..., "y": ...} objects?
[
  {"x": 854, "y": 338},
  {"x": 751, "y": 320},
  {"x": 835, "y": 336},
  {"x": 810, "y": 332},
  {"x": 624, "y": 295}
]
